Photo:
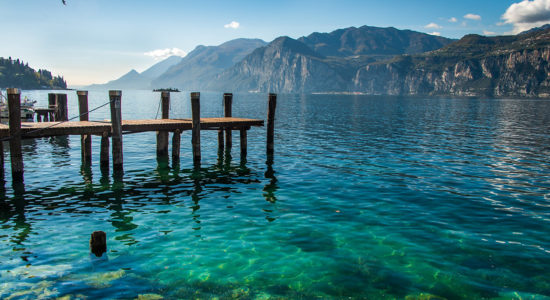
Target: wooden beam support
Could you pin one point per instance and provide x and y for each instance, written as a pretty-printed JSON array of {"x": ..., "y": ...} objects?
[
  {"x": 196, "y": 131},
  {"x": 243, "y": 144},
  {"x": 116, "y": 120},
  {"x": 220, "y": 140},
  {"x": 272, "y": 104},
  {"x": 1, "y": 160},
  {"x": 14, "y": 107},
  {"x": 104, "y": 152},
  {"x": 227, "y": 112},
  {"x": 176, "y": 142},
  {"x": 85, "y": 139}
]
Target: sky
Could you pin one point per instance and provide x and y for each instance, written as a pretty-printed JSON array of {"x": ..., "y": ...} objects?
[{"x": 94, "y": 41}]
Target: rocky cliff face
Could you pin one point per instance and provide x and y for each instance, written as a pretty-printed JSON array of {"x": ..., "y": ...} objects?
[
  {"x": 506, "y": 70},
  {"x": 284, "y": 66},
  {"x": 320, "y": 62}
]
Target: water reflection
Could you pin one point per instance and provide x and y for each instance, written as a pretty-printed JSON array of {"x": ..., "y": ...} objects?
[
  {"x": 125, "y": 199},
  {"x": 271, "y": 187}
]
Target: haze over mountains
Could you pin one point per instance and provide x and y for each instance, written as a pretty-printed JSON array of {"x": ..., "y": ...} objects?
[{"x": 368, "y": 60}]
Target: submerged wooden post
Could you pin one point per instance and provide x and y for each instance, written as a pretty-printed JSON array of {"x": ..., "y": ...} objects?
[
  {"x": 227, "y": 107},
  {"x": 62, "y": 110},
  {"x": 196, "y": 132},
  {"x": 14, "y": 107},
  {"x": 116, "y": 120},
  {"x": 162, "y": 136},
  {"x": 272, "y": 104},
  {"x": 98, "y": 243},
  {"x": 104, "y": 152},
  {"x": 176, "y": 144},
  {"x": 85, "y": 139},
  {"x": 243, "y": 144}
]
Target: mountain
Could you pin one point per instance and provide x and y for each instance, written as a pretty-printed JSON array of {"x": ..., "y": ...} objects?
[
  {"x": 130, "y": 80},
  {"x": 505, "y": 66},
  {"x": 367, "y": 40},
  {"x": 320, "y": 62},
  {"x": 135, "y": 80},
  {"x": 158, "y": 69},
  {"x": 284, "y": 65},
  {"x": 204, "y": 62},
  {"x": 17, "y": 74}
]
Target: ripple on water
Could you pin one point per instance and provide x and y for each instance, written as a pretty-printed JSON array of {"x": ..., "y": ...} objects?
[{"x": 367, "y": 197}]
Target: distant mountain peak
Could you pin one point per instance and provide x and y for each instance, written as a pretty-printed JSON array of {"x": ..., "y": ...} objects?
[{"x": 285, "y": 42}]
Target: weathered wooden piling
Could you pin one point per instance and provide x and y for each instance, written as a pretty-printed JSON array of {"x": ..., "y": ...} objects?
[
  {"x": 272, "y": 104},
  {"x": 104, "y": 152},
  {"x": 196, "y": 131},
  {"x": 58, "y": 102},
  {"x": 227, "y": 112},
  {"x": 85, "y": 139},
  {"x": 243, "y": 143},
  {"x": 62, "y": 110},
  {"x": 1, "y": 159},
  {"x": 115, "y": 98},
  {"x": 14, "y": 107},
  {"x": 162, "y": 136},
  {"x": 98, "y": 243},
  {"x": 176, "y": 144}
]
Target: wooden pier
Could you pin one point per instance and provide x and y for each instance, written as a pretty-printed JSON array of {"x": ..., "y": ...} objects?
[{"x": 116, "y": 128}]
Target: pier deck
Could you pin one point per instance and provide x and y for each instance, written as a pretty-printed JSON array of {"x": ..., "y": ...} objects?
[
  {"x": 46, "y": 129},
  {"x": 115, "y": 128}
]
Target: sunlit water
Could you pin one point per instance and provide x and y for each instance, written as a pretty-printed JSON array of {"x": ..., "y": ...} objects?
[{"x": 367, "y": 197}]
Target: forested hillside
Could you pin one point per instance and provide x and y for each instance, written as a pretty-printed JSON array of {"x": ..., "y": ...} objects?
[{"x": 16, "y": 73}]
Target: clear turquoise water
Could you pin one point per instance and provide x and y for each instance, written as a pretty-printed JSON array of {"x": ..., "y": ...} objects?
[{"x": 367, "y": 197}]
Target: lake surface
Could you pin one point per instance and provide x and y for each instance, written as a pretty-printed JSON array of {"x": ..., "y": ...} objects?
[{"x": 367, "y": 197}]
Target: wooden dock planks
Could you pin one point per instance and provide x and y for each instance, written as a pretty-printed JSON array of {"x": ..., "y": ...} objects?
[{"x": 46, "y": 129}]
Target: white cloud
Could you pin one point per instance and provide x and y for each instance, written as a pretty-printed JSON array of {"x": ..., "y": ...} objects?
[
  {"x": 435, "y": 33},
  {"x": 453, "y": 20},
  {"x": 432, "y": 26},
  {"x": 527, "y": 14},
  {"x": 161, "y": 54},
  {"x": 486, "y": 32},
  {"x": 233, "y": 25},
  {"x": 472, "y": 17}
]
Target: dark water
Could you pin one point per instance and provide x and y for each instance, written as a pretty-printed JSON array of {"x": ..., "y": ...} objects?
[{"x": 367, "y": 197}]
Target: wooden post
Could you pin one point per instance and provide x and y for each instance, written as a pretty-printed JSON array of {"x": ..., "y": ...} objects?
[
  {"x": 52, "y": 104},
  {"x": 165, "y": 98},
  {"x": 227, "y": 107},
  {"x": 2, "y": 160},
  {"x": 14, "y": 106},
  {"x": 116, "y": 120},
  {"x": 162, "y": 136},
  {"x": 243, "y": 144},
  {"x": 104, "y": 152},
  {"x": 272, "y": 104},
  {"x": 85, "y": 139},
  {"x": 220, "y": 140},
  {"x": 62, "y": 111},
  {"x": 176, "y": 142},
  {"x": 98, "y": 243},
  {"x": 196, "y": 132}
]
